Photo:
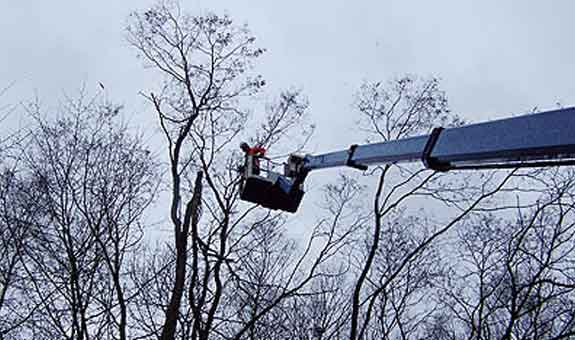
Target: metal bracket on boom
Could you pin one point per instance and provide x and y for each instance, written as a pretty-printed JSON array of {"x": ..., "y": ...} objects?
[
  {"x": 428, "y": 161},
  {"x": 352, "y": 163}
]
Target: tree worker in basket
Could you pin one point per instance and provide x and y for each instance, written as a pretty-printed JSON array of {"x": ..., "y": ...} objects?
[{"x": 257, "y": 152}]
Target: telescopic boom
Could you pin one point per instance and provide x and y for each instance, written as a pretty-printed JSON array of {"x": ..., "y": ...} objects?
[
  {"x": 539, "y": 139},
  {"x": 534, "y": 140}
]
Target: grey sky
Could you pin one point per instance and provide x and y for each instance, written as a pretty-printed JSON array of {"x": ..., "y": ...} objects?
[{"x": 496, "y": 58}]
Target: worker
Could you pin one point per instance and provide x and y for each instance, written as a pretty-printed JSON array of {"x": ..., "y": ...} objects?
[{"x": 257, "y": 152}]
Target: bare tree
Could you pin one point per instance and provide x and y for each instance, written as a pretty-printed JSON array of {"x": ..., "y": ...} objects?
[
  {"x": 202, "y": 59},
  {"x": 18, "y": 213},
  {"x": 71, "y": 212},
  {"x": 310, "y": 307},
  {"x": 400, "y": 263},
  {"x": 517, "y": 279},
  {"x": 228, "y": 269},
  {"x": 91, "y": 181}
]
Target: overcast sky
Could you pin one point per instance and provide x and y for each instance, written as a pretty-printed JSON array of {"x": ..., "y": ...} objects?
[{"x": 495, "y": 58}]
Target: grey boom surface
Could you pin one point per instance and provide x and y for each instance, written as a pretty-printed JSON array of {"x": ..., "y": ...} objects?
[{"x": 533, "y": 137}]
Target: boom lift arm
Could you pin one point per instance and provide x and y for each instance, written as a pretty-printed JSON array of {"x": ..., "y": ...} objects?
[{"x": 535, "y": 140}]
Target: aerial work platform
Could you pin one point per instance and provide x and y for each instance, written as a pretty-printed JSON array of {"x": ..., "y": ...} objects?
[
  {"x": 533, "y": 140},
  {"x": 270, "y": 189}
]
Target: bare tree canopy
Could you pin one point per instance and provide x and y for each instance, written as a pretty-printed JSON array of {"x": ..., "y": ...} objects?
[{"x": 399, "y": 252}]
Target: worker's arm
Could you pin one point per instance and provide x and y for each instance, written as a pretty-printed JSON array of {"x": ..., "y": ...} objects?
[{"x": 258, "y": 151}]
